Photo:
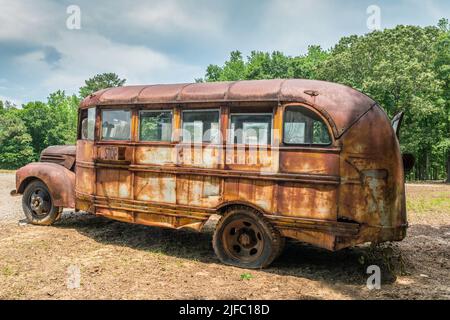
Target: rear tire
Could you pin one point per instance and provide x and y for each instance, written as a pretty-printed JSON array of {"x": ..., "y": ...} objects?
[
  {"x": 38, "y": 205},
  {"x": 244, "y": 238}
]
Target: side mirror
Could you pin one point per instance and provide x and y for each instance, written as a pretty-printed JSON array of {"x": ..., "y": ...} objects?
[
  {"x": 397, "y": 123},
  {"x": 408, "y": 162}
]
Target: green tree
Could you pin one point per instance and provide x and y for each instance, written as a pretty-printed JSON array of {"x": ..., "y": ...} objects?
[
  {"x": 51, "y": 123},
  {"x": 213, "y": 73},
  {"x": 101, "y": 81},
  {"x": 307, "y": 66},
  {"x": 15, "y": 142},
  {"x": 264, "y": 65},
  {"x": 397, "y": 68},
  {"x": 233, "y": 69},
  {"x": 38, "y": 121},
  {"x": 442, "y": 65},
  {"x": 65, "y": 110},
  {"x": 6, "y": 105}
]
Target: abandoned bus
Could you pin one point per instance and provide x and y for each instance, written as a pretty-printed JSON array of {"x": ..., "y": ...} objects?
[{"x": 314, "y": 161}]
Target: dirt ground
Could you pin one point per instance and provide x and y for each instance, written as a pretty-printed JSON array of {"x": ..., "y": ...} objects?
[{"x": 123, "y": 261}]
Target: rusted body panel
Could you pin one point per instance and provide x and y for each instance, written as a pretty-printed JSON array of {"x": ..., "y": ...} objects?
[
  {"x": 373, "y": 192},
  {"x": 334, "y": 196},
  {"x": 62, "y": 155},
  {"x": 59, "y": 180}
]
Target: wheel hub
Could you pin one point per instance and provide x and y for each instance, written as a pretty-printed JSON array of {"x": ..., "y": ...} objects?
[
  {"x": 242, "y": 239},
  {"x": 247, "y": 238},
  {"x": 39, "y": 202},
  {"x": 36, "y": 203}
]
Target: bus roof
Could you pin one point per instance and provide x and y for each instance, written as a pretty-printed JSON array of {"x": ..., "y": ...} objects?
[{"x": 340, "y": 104}]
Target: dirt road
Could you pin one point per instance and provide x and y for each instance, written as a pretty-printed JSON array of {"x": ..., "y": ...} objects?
[{"x": 122, "y": 261}]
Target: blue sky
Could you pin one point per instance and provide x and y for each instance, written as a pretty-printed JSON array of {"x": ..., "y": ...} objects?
[{"x": 171, "y": 41}]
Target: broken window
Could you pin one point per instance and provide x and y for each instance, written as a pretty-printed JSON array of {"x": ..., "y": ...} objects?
[{"x": 303, "y": 126}]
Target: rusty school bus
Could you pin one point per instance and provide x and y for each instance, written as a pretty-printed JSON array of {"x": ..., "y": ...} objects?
[{"x": 309, "y": 160}]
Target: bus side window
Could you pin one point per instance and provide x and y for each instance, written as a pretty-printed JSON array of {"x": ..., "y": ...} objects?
[
  {"x": 201, "y": 126},
  {"x": 251, "y": 129},
  {"x": 116, "y": 125},
  {"x": 88, "y": 124},
  {"x": 305, "y": 127},
  {"x": 155, "y": 126}
]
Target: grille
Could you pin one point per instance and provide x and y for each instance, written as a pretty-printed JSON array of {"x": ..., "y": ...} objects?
[{"x": 58, "y": 159}]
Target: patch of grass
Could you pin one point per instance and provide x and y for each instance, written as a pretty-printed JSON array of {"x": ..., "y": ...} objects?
[
  {"x": 7, "y": 171},
  {"x": 246, "y": 276},
  {"x": 8, "y": 271},
  {"x": 438, "y": 202},
  {"x": 179, "y": 264},
  {"x": 157, "y": 252}
]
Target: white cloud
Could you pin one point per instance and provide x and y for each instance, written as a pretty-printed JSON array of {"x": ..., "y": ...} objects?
[
  {"x": 26, "y": 20},
  {"x": 294, "y": 25},
  {"x": 172, "y": 16},
  {"x": 84, "y": 55}
]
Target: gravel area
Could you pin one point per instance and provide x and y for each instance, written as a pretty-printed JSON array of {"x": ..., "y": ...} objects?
[{"x": 116, "y": 260}]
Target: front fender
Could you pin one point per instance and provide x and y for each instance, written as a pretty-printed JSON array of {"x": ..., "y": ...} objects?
[{"x": 59, "y": 180}]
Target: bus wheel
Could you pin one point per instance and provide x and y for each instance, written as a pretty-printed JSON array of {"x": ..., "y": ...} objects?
[
  {"x": 244, "y": 238},
  {"x": 38, "y": 206}
]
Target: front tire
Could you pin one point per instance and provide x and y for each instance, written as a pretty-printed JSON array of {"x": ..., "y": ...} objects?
[
  {"x": 38, "y": 206},
  {"x": 244, "y": 238}
]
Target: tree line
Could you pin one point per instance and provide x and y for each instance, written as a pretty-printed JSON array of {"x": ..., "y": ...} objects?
[
  {"x": 406, "y": 69},
  {"x": 26, "y": 131}
]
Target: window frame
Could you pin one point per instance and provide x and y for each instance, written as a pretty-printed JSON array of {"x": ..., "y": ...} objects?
[
  {"x": 218, "y": 110},
  {"x": 80, "y": 122},
  {"x": 253, "y": 114},
  {"x": 309, "y": 145},
  {"x": 128, "y": 109},
  {"x": 155, "y": 111}
]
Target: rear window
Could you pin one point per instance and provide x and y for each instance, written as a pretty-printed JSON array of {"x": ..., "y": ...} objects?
[{"x": 304, "y": 127}]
